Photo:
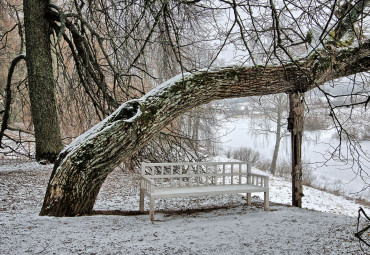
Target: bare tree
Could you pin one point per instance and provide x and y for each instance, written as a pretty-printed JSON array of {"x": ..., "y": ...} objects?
[
  {"x": 14, "y": 103},
  {"x": 41, "y": 81},
  {"x": 273, "y": 110}
]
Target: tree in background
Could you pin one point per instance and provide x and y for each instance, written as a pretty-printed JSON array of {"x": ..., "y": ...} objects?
[
  {"x": 274, "y": 109},
  {"x": 13, "y": 82},
  {"x": 41, "y": 80}
]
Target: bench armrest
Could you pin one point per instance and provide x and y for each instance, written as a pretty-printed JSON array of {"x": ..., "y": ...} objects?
[
  {"x": 146, "y": 179},
  {"x": 258, "y": 179},
  {"x": 147, "y": 184},
  {"x": 258, "y": 175}
]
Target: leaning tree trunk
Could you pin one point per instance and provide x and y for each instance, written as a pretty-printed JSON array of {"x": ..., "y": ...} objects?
[
  {"x": 41, "y": 81},
  {"x": 295, "y": 126},
  {"x": 82, "y": 166}
]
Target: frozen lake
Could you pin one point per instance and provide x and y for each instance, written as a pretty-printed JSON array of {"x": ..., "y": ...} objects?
[{"x": 317, "y": 145}]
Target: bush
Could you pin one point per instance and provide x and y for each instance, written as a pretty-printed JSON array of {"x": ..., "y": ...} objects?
[
  {"x": 314, "y": 123},
  {"x": 284, "y": 169},
  {"x": 308, "y": 177},
  {"x": 264, "y": 164},
  {"x": 229, "y": 153},
  {"x": 249, "y": 155},
  {"x": 246, "y": 154}
]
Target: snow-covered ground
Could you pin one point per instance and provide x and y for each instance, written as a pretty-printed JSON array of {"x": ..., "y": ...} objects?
[{"x": 204, "y": 225}]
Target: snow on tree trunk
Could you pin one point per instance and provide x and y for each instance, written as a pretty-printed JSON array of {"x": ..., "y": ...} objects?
[{"x": 82, "y": 167}]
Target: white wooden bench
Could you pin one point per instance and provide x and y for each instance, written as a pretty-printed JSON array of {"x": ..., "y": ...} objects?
[{"x": 163, "y": 180}]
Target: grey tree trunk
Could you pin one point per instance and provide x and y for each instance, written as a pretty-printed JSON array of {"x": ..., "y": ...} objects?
[
  {"x": 295, "y": 126},
  {"x": 41, "y": 81},
  {"x": 82, "y": 167},
  {"x": 277, "y": 140},
  {"x": 196, "y": 128}
]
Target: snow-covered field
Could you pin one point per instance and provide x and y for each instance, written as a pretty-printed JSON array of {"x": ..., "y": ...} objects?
[
  {"x": 204, "y": 225},
  {"x": 333, "y": 175}
]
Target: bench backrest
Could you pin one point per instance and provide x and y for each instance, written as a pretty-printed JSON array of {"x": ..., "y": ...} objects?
[{"x": 196, "y": 173}]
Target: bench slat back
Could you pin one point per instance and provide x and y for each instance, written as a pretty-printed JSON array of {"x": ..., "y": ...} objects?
[{"x": 197, "y": 173}]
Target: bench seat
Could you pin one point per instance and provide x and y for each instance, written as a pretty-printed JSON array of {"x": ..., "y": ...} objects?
[{"x": 186, "y": 191}]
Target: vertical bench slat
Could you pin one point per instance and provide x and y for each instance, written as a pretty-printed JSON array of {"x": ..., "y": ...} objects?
[
  {"x": 195, "y": 179},
  {"x": 223, "y": 171},
  {"x": 180, "y": 173},
  {"x": 249, "y": 181},
  {"x": 232, "y": 173},
  {"x": 240, "y": 173},
  {"x": 213, "y": 177},
  {"x": 162, "y": 173},
  {"x": 207, "y": 177}
]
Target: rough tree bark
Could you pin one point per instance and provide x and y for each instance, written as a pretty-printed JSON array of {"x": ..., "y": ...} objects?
[
  {"x": 82, "y": 167},
  {"x": 41, "y": 81},
  {"x": 295, "y": 126}
]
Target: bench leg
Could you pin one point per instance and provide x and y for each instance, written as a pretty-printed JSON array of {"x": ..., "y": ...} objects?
[
  {"x": 151, "y": 209},
  {"x": 141, "y": 201},
  {"x": 249, "y": 198},
  {"x": 266, "y": 197}
]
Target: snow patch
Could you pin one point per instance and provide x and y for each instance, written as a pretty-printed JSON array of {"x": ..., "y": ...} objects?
[{"x": 159, "y": 90}]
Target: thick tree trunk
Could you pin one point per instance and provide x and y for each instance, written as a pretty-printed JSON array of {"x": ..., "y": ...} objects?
[
  {"x": 82, "y": 167},
  {"x": 295, "y": 126},
  {"x": 41, "y": 81}
]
